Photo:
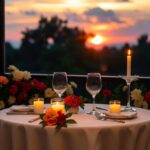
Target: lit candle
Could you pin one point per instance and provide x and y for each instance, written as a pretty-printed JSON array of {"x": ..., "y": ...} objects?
[
  {"x": 114, "y": 107},
  {"x": 57, "y": 105},
  {"x": 129, "y": 63},
  {"x": 38, "y": 105}
]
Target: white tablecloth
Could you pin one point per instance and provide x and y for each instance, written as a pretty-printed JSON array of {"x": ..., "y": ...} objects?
[{"x": 88, "y": 134}]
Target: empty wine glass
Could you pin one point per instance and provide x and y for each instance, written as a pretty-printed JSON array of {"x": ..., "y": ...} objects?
[
  {"x": 93, "y": 86},
  {"x": 59, "y": 82}
]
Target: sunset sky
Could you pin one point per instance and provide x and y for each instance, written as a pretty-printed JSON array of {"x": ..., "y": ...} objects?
[{"x": 117, "y": 21}]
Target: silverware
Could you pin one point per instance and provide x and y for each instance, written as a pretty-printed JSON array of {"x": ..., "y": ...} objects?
[
  {"x": 34, "y": 119},
  {"x": 103, "y": 117},
  {"x": 102, "y": 108}
]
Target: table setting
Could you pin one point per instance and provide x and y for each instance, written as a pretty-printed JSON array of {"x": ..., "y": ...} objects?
[
  {"x": 87, "y": 132},
  {"x": 68, "y": 122}
]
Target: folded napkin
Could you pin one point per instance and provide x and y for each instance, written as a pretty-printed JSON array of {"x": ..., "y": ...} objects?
[{"x": 122, "y": 115}]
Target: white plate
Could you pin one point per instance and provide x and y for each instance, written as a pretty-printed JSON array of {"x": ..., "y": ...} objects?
[
  {"x": 21, "y": 109},
  {"x": 122, "y": 115}
]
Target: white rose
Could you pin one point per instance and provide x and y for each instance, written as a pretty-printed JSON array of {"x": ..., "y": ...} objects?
[
  {"x": 12, "y": 68},
  {"x": 17, "y": 75},
  {"x": 145, "y": 105},
  {"x": 69, "y": 90},
  {"x": 73, "y": 84},
  {"x": 136, "y": 95},
  {"x": 49, "y": 93},
  {"x": 124, "y": 88},
  {"x": 26, "y": 75},
  {"x": 11, "y": 99},
  {"x": 138, "y": 103}
]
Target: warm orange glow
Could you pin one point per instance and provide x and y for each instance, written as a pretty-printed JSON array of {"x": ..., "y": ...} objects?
[
  {"x": 129, "y": 52},
  {"x": 96, "y": 40}
]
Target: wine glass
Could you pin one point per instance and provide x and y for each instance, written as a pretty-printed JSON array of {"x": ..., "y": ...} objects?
[
  {"x": 93, "y": 86},
  {"x": 128, "y": 107},
  {"x": 59, "y": 82}
]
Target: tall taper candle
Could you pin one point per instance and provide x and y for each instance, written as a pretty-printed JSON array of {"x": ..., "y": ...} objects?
[{"x": 129, "y": 63}]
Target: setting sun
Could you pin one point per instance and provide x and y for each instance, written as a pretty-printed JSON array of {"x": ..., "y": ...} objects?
[{"x": 97, "y": 40}]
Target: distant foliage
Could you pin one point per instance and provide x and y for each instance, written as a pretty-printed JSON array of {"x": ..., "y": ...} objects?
[{"x": 54, "y": 46}]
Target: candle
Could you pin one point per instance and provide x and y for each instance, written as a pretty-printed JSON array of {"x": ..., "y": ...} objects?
[
  {"x": 57, "y": 105},
  {"x": 129, "y": 63},
  {"x": 38, "y": 105},
  {"x": 114, "y": 107}
]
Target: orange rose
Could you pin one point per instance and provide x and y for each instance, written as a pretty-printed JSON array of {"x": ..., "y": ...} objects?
[
  {"x": 50, "y": 117},
  {"x": 3, "y": 80},
  {"x": 50, "y": 112},
  {"x": 50, "y": 120}
]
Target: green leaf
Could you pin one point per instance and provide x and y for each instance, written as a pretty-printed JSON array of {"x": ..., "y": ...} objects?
[
  {"x": 71, "y": 121},
  {"x": 65, "y": 125},
  {"x": 69, "y": 115},
  {"x": 82, "y": 106},
  {"x": 41, "y": 116},
  {"x": 67, "y": 107}
]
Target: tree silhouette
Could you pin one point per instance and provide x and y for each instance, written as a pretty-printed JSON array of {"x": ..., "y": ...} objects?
[{"x": 54, "y": 46}]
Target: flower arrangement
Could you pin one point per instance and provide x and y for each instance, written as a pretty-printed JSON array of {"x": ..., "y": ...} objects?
[
  {"x": 139, "y": 99},
  {"x": 56, "y": 118},
  {"x": 3, "y": 82},
  {"x": 20, "y": 88},
  {"x": 73, "y": 102}
]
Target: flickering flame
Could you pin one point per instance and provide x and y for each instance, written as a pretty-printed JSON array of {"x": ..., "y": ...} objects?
[{"x": 129, "y": 52}]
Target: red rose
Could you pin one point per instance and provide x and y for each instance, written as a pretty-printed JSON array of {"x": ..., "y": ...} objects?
[
  {"x": 13, "y": 89},
  {"x": 72, "y": 101},
  {"x": 41, "y": 86},
  {"x": 27, "y": 87},
  {"x": 106, "y": 92},
  {"x": 147, "y": 97},
  {"x": 22, "y": 96},
  {"x": 38, "y": 85},
  {"x": 61, "y": 119}
]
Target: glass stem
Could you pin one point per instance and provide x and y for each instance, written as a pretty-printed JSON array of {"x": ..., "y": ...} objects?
[
  {"x": 59, "y": 95},
  {"x": 94, "y": 108},
  {"x": 128, "y": 103}
]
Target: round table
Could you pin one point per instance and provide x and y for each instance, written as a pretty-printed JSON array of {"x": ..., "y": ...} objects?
[{"x": 88, "y": 134}]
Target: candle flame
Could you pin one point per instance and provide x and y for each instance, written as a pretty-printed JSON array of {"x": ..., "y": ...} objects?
[
  {"x": 57, "y": 103},
  {"x": 129, "y": 52}
]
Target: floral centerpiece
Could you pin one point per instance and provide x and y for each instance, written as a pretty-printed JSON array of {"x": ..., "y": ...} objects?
[{"x": 56, "y": 118}]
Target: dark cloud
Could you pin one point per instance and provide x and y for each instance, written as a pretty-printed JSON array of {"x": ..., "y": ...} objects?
[
  {"x": 29, "y": 12},
  {"x": 140, "y": 27},
  {"x": 123, "y": 0},
  {"x": 101, "y": 15},
  {"x": 104, "y": 16},
  {"x": 74, "y": 17}
]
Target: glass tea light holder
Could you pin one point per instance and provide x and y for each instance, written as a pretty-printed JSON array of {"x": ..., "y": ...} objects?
[
  {"x": 115, "y": 106},
  {"x": 38, "y": 105},
  {"x": 57, "y": 104}
]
